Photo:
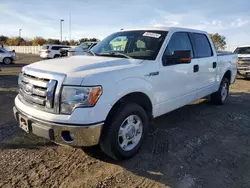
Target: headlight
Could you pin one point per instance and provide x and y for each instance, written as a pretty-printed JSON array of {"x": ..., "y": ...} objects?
[{"x": 73, "y": 96}]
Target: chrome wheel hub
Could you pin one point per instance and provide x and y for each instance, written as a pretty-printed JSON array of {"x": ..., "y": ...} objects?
[
  {"x": 130, "y": 132},
  {"x": 7, "y": 61}
]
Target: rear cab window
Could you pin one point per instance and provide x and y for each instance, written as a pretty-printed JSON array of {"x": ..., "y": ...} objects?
[
  {"x": 45, "y": 47},
  {"x": 202, "y": 45}
]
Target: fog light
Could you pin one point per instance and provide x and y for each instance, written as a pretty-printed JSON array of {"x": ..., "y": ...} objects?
[{"x": 67, "y": 136}]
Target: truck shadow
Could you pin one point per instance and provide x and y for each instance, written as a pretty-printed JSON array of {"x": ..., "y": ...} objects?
[
  {"x": 13, "y": 65},
  {"x": 11, "y": 136},
  {"x": 199, "y": 144},
  {"x": 8, "y": 81}
]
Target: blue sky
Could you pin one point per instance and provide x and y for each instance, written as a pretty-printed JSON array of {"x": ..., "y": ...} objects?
[{"x": 98, "y": 18}]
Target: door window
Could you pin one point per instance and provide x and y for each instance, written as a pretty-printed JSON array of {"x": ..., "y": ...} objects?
[
  {"x": 202, "y": 45},
  {"x": 178, "y": 41}
]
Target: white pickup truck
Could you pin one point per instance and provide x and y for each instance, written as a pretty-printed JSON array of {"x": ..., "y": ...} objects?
[
  {"x": 109, "y": 98},
  {"x": 244, "y": 60}
]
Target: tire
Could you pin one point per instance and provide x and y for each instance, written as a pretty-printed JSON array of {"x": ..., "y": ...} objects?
[
  {"x": 219, "y": 97},
  {"x": 56, "y": 56},
  {"x": 111, "y": 139},
  {"x": 7, "y": 60}
]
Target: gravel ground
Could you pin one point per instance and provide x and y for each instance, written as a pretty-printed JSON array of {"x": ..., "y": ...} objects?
[{"x": 199, "y": 145}]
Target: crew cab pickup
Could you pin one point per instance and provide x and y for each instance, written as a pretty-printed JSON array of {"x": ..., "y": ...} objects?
[
  {"x": 244, "y": 60},
  {"x": 111, "y": 96}
]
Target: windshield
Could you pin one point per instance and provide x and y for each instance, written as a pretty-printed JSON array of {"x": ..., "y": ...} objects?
[
  {"x": 141, "y": 44},
  {"x": 242, "y": 50}
]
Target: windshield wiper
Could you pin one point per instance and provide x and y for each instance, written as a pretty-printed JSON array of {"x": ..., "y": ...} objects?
[
  {"x": 116, "y": 54},
  {"x": 90, "y": 52}
]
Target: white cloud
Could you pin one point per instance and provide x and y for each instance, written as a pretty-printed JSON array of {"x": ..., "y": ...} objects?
[
  {"x": 196, "y": 20},
  {"x": 239, "y": 22}
]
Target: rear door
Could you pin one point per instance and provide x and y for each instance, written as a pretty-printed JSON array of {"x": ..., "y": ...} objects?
[
  {"x": 207, "y": 61},
  {"x": 55, "y": 50}
]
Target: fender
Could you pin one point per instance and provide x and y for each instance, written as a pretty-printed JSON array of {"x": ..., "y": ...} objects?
[{"x": 131, "y": 85}]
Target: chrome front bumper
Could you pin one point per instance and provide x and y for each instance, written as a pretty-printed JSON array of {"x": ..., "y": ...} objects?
[{"x": 73, "y": 135}]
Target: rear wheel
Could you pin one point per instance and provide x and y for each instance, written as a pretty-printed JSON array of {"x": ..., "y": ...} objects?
[
  {"x": 7, "y": 60},
  {"x": 221, "y": 95},
  {"x": 124, "y": 134}
]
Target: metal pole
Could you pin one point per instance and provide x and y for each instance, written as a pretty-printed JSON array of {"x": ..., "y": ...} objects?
[
  {"x": 61, "y": 27},
  {"x": 69, "y": 26},
  {"x": 20, "y": 33}
]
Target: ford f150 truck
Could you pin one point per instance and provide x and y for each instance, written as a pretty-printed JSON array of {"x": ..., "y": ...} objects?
[
  {"x": 244, "y": 60},
  {"x": 111, "y": 96}
]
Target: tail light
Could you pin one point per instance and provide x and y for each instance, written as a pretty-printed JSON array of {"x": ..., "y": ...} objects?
[{"x": 47, "y": 51}]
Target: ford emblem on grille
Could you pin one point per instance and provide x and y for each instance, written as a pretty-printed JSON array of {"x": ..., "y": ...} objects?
[{"x": 28, "y": 88}]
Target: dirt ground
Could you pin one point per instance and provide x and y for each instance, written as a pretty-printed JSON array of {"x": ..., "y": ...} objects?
[{"x": 199, "y": 145}]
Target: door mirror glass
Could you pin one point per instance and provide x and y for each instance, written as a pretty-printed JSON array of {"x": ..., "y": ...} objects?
[{"x": 179, "y": 57}]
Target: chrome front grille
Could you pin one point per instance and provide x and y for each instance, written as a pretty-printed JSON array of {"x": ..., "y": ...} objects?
[
  {"x": 244, "y": 63},
  {"x": 39, "y": 92}
]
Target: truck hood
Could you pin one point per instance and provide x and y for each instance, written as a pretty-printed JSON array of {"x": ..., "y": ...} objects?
[{"x": 78, "y": 67}]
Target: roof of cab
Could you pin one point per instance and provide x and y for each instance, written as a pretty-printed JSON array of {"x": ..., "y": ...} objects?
[
  {"x": 242, "y": 46},
  {"x": 173, "y": 29}
]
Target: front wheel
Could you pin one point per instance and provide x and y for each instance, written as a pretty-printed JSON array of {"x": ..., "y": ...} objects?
[
  {"x": 221, "y": 95},
  {"x": 7, "y": 61},
  {"x": 124, "y": 134}
]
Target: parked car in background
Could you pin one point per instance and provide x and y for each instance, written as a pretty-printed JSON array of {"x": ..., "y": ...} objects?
[
  {"x": 243, "y": 60},
  {"x": 79, "y": 50},
  {"x": 51, "y": 50},
  {"x": 110, "y": 98},
  {"x": 6, "y": 56}
]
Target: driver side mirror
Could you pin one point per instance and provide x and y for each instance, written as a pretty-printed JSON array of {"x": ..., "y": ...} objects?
[{"x": 178, "y": 57}]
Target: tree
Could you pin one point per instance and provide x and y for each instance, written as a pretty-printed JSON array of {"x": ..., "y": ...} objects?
[
  {"x": 53, "y": 41},
  {"x": 73, "y": 43},
  {"x": 83, "y": 40},
  {"x": 65, "y": 42},
  {"x": 88, "y": 40},
  {"x": 38, "y": 41},
  {"x": 219, "y": 41},
  {"x": 3, "y": 39},
  {"x": 15, "y": 41}
]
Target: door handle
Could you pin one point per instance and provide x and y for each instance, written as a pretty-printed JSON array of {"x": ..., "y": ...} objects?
[
  {"x": 196, "y": 68},
  {"x": 214, "y": 65}
]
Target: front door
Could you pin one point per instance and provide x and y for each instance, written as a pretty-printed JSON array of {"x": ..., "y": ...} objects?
[{"x": 177, "y": 81}]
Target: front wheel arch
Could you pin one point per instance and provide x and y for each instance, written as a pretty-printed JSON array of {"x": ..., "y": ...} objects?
[
  {"x": 139, "y": 98},
  {"x": 109, "y": 138}
]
